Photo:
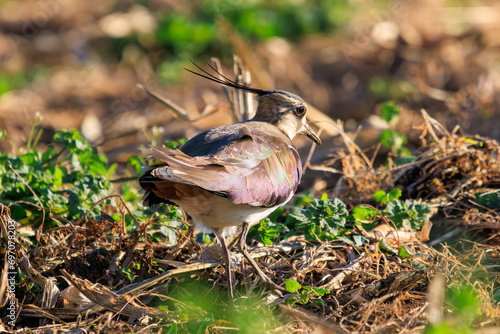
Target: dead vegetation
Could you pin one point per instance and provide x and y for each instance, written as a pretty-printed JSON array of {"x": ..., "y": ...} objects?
[
  {"x": 97, "y": 276},
  {"x": 370, "y": 290}
]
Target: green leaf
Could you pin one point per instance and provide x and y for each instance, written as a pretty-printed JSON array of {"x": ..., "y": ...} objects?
[
  {"x": 97, "y": 168},
  {"x": 17, "y": 212},
  {"x": 267, "y": 231},
  {"x": 206, "y": 238},
  {"x": 412, "y": 214},
  {"x": 363, "y": 212},
  {"x": 29, "y": 158},
  {"x": 490, "y": 200},
  {"x": 299, "y": 214},
  {"x": 136, "y": 162},
  {"x": 496, "y": 296},
  {"x": 403, "y": 160},
  {"x": 111, "y": 171},
  {"x": 173, "y": 144},
  {"x": 58, "y": 176},
  {"x": 273, "y": 216},
  {"x": 297, "y": 219},
  {"x": 292, "y": 286},
  {"x": 405, "y": 253},
  {"x": 49, "y": 154},
  {"x": 405, "y": 154},
  {"x": 392, "y": 139},
  {"x": 396, "y": 211},
  {"x": 200, "y": 327},
  {"x": 321, "y": 291},
  {"x": 382, "y": 245},
  {"x": 305, "y": 199},
  {"x": 321, "y": 220},
  {"x": 380, "y": 196},
  {"x": 72, "y": 193},
  {"x": 173, "y": 327},
  {"x": 447, "y": 328},
  {"x": 359, "y": 240},
  {"x": 422, "y": 209},
  {"x": 291, "y": 300},
  {"x": 304, "y": 296},
  {"x": 170, "y": 233},
  {"x": 70, "y": 139},
  {"x": 389, "y": 112},
  {"x": 395, "y": 193}
]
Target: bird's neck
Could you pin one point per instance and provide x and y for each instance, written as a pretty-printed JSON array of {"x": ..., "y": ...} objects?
[
  {"x": 283, "y": 125},
  {"x": 264, "y": 115},
  {"x": 289, "y": 128}
]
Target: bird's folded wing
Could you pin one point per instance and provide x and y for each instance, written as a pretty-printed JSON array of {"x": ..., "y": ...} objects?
[{"x": 250, "y": 170}]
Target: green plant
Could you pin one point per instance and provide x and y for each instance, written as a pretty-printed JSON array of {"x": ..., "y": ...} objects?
[
  {"x": 68, "y": 179},
  {"x": 384, "y": 87},
  {"x": 198, "y": 308},
  {"x": 324, "y": 219},
  {"x": 192, "y": 33},
  {"x": 391, "y": 138},
  {"x": 270, "y": 230},
  {"x": 65, "y": 179},
  {"x": 304, "y": 294},
  {"x": 175, "y": 144},
  {"x": 328, "y": 219},
  {"x": 14, "y": 80},
  {"x": 383, "y": 197},
  {"x": 490, "y": 200},
  {"x": 127, "y": 272},
  {"x": 463, "y": 301},
  {"x": 411, "y": 214}
]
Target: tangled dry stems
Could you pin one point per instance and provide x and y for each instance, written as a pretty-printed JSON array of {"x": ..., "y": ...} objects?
[{"x": 370, "y": 290}]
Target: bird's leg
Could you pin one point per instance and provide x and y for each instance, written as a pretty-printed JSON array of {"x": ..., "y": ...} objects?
[
  {"x": 226, "y": 258},
  {"x": 244, "y": 250}
]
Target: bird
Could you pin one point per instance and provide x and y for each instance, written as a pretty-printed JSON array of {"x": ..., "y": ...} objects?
[{"x": 233, "y": 174}]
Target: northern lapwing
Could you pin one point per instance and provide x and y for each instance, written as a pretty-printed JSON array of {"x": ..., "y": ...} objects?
[{"x": 234, "y": 174}]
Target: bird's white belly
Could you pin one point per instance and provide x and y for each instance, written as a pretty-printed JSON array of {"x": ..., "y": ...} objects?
[{"x": 215, "y": 212}]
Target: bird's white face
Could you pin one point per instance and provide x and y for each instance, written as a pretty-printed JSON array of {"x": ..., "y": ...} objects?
[
  {"x": 287, "y": 112},
  {"x": 290, "y": 124}
]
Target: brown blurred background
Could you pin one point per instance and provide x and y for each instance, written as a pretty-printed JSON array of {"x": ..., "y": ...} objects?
[{"x": 76, "y": 64}]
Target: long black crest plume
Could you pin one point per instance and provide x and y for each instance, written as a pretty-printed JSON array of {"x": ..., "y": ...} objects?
[{"x": 223, "y": 80}]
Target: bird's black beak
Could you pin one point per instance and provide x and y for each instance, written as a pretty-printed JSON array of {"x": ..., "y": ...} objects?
[{"x": 311, "y": 134}]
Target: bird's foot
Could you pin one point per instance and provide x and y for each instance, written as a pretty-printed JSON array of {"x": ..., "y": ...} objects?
[{"x": 213, "y": 253}]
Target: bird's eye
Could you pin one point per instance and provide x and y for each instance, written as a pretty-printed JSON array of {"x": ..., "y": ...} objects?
[{"x": 300, "y": 111}]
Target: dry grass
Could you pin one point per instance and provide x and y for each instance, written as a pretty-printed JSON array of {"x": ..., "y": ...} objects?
[
  {"x": 370, "y": 290},
  {"x": 96, "y": 276}
]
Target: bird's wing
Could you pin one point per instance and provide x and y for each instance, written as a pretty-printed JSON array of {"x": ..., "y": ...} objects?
[
  {"x": 259, "y": 169},
  {"x": 262, "y": 169}
]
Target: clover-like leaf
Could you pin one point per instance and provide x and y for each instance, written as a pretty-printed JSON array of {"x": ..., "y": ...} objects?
[{"x": 292, "y": 286}]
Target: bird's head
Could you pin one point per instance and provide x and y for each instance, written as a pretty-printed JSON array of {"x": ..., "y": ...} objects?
[{"x": 285, "y": 110}]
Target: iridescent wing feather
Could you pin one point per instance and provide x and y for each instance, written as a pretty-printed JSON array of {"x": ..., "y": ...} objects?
[{"x": 249, "y": 164}]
